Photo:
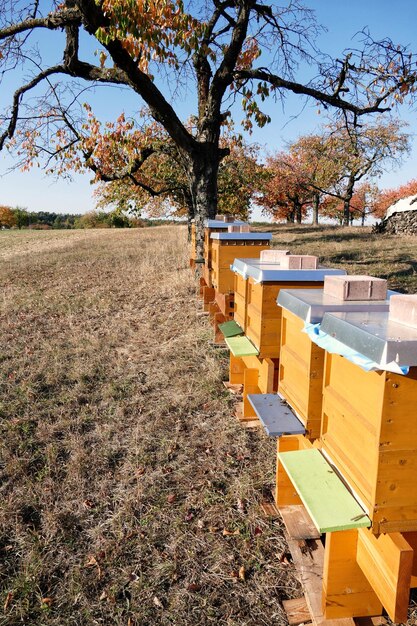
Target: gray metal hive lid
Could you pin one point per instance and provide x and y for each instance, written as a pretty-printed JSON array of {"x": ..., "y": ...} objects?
[
  {"x": 374, "y": 335},
  {"x": 270, "y": 273},
  {"x": 221, "y": 224},
  {"x": 311, "y": 304},
  {"x": 240, "y": 266},
  {"x": 242, "y": 236}
]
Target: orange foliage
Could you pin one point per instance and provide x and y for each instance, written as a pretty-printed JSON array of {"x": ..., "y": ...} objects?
[
  {"x": 7, "y": 217},
  {"x": 387, "y": 197}
]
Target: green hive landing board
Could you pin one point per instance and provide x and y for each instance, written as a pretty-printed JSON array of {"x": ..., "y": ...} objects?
[
  {"x": 329, "y": 503},
  {"x": 241, "y": 346},
  {"x": 231, "y": 329}
]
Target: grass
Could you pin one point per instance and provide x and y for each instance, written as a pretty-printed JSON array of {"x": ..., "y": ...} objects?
[
  {"x": 121, "y": 463},
  {"x": 355, "y": 249},
  {"x": 129, "y": 493}
]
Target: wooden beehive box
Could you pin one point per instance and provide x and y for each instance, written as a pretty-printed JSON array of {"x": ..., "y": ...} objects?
[
  {"x": 213, "y": 226},
  {"x": 226, "y": 247},
  {"x": 369, "y": 425},
  {"x": 301, "y": 364},
  {"x": 240, "y": 269},
  {"x": 263, "y": 315}
]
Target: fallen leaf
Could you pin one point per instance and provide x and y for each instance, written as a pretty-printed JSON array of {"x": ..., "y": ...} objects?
[
  {"x": 193, "y": 587},
  {"x": 228, "y": 533},
  {"x": 103, "y": 596},
  {"x": 140, "y": 471},
  {"x": 258, "y": 531},
  {"x": 89, "y": 504},
  {"x": 171, "y": 498},
  {"x": 189, "y": 516},
  {"x": 241, "y": 505},
  {"x": 157, "y": 602},
  {"x": 92, "y": 562},
  {"x": 200, "y": 523},
  {"x": 47, "y": 601},
  {"x": 9, "y": 598},
  {"x": 242, "y": 573},
  {"x": 213, "y": 529}
]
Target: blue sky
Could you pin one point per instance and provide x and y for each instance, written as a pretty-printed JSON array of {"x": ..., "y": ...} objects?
[{"x": 342, "y": 20}]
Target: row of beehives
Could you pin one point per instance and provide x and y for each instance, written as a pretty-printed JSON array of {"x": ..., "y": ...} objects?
[{"x": 346, "y": 366}]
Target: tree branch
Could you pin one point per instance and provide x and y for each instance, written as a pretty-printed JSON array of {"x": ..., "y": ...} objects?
[
  {"x": 320, "y": 96},
  {"x": 17, "y": 97},
  {"x": 51, "y": 22}
]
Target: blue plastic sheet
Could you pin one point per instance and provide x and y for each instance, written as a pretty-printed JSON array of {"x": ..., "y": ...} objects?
[{"x": 332, "y": 345}]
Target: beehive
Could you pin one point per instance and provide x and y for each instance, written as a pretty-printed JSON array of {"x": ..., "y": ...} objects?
[
  {"x": 301, "y": 364},
  {"x": 263, "y": 316},
  {"x": 213, "y": 226},
  {"x": 369, "y": 426},
  {"x": 240, "y": 269},
  {"x": 226, "y": 247}
]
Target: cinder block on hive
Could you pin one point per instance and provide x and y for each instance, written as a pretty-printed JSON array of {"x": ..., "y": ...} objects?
[
  {"x": 228, "y": 218},
  {"x": 403, "y": 309},
  {"x": 219, "y": 217},
  {"x": 298, "y": 262},
  {"x": 233, "y": 229},
  {"x": 273, "y": 256},
  {"x": 355, "y": 287},
  {"x": 245, "y": 228}
]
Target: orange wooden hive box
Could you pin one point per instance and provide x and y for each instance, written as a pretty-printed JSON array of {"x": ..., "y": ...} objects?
[
  {"x": 259, "y": 286},
  {"x": 226, "y": 247},
  {"x": 301, "y": 363},
  {"x": 369, "y": 425},
  {"x": 214, "y": 226}
]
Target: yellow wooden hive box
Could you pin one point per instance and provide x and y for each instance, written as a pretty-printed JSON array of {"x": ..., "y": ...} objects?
[
  {"x": 256, "y": 304},
  {"x": 369, "y": 418},
  {"x": 301, "y": 364},
  {"x": 226, "y": 247}
]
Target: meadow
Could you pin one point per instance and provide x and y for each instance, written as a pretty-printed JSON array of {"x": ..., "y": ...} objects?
[{"x": 129, "y": 493}]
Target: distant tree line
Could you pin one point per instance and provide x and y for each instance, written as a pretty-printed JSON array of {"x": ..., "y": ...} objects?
[{"x": 19, "y": 218}]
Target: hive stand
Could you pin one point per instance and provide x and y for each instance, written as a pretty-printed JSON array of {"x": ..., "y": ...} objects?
[{"x": 301, "y": 365}]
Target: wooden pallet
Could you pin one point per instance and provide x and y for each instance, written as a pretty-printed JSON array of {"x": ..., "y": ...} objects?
[{"x": 308, "y": 558}]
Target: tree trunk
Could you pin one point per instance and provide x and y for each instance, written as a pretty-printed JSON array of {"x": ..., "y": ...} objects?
[
  {"x": 298, "y": 213},
  {"x": 316, "y": 205},
  {"x": 346, "y": 200},
  {"x": 203, "y": 186}
]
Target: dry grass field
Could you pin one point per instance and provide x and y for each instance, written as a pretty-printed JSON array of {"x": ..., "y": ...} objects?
[{"x": 129, "y": 494}]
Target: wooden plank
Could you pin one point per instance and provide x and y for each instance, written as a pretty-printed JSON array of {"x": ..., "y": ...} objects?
[
  {"x": 230, "y": 329},
  {"x": 269, "y": 509},
  {"x": 275, "y": 415},
  {"x": 329, "y": 503},
  {"x": 298, "y": 523},
  {"x": 308, "y": 559},
  {"x": 236, "y": 389},
  {"x": 387, "y": 562},
  {"x": 241, "y": 346},
  {"x": 346, "y": 590},
  {"x": 297, "y": 611},
  {"x": 244, "y": 421}
]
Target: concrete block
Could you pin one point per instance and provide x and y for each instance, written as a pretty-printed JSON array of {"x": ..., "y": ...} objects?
[
  {"x": 355, "y": 287},
  {"x": 273, "y": 256},
  {"x": 228, "y": 218},
  {"x": 298, "y": 262},
  {"x": 403, "y": 309},
  {"x": 245, "y": 228},
  {"x": 233, "y": 229}
]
